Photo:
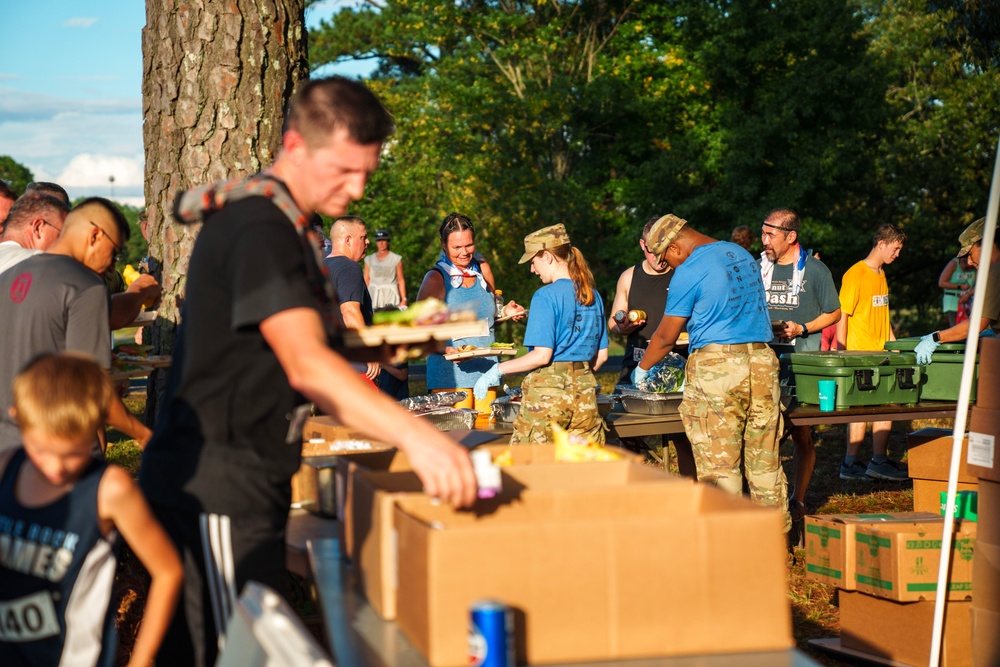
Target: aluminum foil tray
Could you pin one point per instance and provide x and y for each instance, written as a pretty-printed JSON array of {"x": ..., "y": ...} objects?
[{"x": 641, "y": 402}]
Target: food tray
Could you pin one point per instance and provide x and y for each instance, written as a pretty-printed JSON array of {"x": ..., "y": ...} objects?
[
  {"x": 452, "y": 419},
  {"x": 153, "y": 361},
  {"x": 506, "y": 411},
  {"x": 641, "y": 402},
  {"x": 397, "y": 334},
  {"x": 482, "y": 352},
  {"x": 433, "y": 401}
]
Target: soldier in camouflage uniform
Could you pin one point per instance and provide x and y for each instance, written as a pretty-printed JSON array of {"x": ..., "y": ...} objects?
[
  {"x": 567, "y": 342},
  {"x": 731, "y": 407}
]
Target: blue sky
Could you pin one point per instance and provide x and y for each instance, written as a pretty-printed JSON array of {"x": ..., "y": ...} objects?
[{"x": 71, "y": 92}]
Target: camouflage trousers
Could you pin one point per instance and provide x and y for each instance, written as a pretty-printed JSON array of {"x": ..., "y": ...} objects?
[
  {"x": 564, "y": 393},
  {"x": 732, "y": 414}
]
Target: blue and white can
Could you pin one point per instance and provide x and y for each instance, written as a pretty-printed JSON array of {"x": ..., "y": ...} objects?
[{"x": 491, "y": 634}]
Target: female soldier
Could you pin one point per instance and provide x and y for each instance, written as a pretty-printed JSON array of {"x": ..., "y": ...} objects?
[
  {"x": 457, "y": 279},
  {"x": 568, "y": 341}
]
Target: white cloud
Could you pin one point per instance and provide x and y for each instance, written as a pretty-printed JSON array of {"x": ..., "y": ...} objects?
[
  {"x": 89, "y": 170},
  {"x": 7, "y": 76},
  {"x": 47, "y": 133},
  {"x": 80, "y": 22}
]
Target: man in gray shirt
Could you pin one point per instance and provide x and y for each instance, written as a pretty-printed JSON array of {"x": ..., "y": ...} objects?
[
  {"x": 800, "y": 293},
  {"x": 56, "y": 301}
]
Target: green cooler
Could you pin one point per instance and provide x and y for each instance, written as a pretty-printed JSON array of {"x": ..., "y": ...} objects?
[
  {"x": 943, "y": 375},
  {"x": 863, "y": 378}
]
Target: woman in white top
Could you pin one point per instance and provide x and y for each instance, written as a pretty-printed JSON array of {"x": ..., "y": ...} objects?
[{"x": 384, "y": 274}]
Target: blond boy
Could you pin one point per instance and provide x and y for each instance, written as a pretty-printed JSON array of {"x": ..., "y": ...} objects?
[{"x": 61, "y": 512}]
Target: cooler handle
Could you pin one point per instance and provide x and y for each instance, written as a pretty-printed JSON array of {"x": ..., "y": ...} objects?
[
  {"x": 904, "y": 378},
  {"x": 866, "y": 379}
]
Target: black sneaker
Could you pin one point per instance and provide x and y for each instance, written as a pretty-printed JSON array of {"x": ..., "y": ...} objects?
[
  {"x": 887, "y": 470},
  {"x": 855, "y": 471}
]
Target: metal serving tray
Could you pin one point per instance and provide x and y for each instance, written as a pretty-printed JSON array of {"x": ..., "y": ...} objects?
[{"x": 641, "y": 402}]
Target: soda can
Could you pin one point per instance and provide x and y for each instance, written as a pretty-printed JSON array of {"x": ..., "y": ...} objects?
[
  {"x": 620, "y": 316},
  {"x": 636, "y": 315},
  {"x": 491, "y": 634}
]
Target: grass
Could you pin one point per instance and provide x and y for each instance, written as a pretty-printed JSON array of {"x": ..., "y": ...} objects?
[{"x": 813, "y": 605}]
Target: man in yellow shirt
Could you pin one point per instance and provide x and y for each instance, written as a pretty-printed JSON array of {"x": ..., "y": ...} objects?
[{"x": 865, "y": 325}]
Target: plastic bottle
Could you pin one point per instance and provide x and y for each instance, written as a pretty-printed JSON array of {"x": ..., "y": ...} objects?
[{"x": 498, "y": 299}]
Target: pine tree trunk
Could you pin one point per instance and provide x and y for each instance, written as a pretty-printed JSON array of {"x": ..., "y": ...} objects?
[{"x": 217, "y": 75}]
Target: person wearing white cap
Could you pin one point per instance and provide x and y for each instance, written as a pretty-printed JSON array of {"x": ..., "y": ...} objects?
[{"x": 989, "y": 323}]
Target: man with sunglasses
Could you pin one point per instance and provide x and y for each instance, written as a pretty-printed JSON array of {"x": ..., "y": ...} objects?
[
  {"x": 33, "y": 224},
  {"x": 645, "y": 287},
  {"x": 56, "y": 301},
  {"x": 800, "y": 293}
]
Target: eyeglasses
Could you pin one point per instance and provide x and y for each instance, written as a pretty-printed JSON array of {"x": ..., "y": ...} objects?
[
  {"x": 46, "y": 222},
  {"x": 118, "y": 251}
]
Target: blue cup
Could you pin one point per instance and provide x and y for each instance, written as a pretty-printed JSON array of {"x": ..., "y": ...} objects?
[{"x": 827, "y": 395}]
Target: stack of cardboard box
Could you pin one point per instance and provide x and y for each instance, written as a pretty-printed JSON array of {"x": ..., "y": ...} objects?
[
  {"x": 886, "y": 566},
  {"x": 983, "y": 462},
  {"x": 888, "y": 575}
]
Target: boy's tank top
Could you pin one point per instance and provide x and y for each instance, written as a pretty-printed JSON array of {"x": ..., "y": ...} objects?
[{"x": 56, "y": 571}]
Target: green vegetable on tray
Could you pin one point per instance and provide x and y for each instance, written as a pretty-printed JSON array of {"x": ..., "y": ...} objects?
[{"x": 666, "y": 377}]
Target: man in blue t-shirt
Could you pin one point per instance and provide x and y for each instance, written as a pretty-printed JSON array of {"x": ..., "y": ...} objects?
[{"x": 731, "y": 407}]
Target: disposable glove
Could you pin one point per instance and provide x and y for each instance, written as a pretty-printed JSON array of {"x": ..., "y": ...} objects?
[
  {"x": 490, "y": 378},
  {"x": 639, "y": 375},
  {"x": 925, "y": 348}
]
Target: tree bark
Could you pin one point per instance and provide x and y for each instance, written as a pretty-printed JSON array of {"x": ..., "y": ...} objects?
[{"x": 217, "y": 76}]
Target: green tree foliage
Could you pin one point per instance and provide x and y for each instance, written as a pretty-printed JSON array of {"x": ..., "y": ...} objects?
[
  {"x": 935, "y": 158},
  {"x": 600, "y": 114},
  {"x": 15, "y": 174},
  {"x": 521, "y": 115}
]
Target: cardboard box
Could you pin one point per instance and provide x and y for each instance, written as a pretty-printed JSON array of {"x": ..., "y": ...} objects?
[
  {"x": 330, "y": 430},
  {"x": 984, "y": 432},
  {"x": 986, "y": 576},
  {"x": 397, "y": 461},
  {"x": 373, "y": 532},
  {"x": 988, "y": 387},
  {"x": 829, "y": 542},
  {"x": 985, "y": 637},
  {"x": 633, "y": 571},
  {"x": 901, "y": 631},
  {"x": 989, "y": 511},
  {"x": 900, "y": 562},
  {"x": 932, "y": 460},
  {"x": 927, "y": 493}
]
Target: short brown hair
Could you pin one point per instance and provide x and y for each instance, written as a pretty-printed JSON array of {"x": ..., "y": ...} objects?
[
  {"x": 33, "y": 205},
  {"x": 889, "y": 233},
  {"x": 323, "y": 105},
  {"x": 66, "y": 395}
]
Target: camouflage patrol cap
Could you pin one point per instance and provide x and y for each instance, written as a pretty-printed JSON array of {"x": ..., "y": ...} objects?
[
  {"x": 663, "y": 232},
  {"x": 546, "y": 238},
  {"x": 971, "y": 236}
]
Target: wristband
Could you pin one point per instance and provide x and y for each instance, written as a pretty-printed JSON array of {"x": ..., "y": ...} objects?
[
  {"x": 936, "y": 337},
  {"x": 805, "y": 331}
]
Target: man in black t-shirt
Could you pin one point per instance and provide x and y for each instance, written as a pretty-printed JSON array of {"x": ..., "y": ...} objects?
[
  {"x": 253, "y": 351},
  {"x": 349, "y": 241}
]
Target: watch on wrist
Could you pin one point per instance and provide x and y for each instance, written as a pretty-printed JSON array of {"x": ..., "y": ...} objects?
[
  {"x": 805, "y": 331},
  {"x": 936, "y": 337}
]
